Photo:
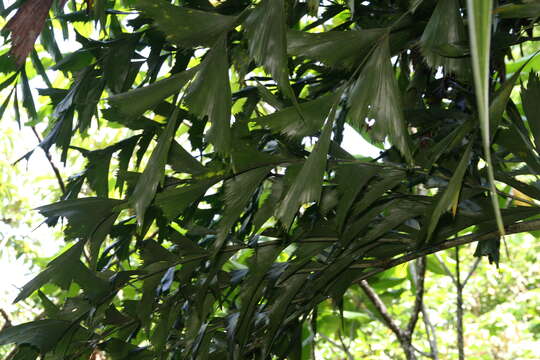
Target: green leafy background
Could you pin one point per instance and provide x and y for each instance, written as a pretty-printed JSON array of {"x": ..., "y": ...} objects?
[{"x": 211, "y": 211}]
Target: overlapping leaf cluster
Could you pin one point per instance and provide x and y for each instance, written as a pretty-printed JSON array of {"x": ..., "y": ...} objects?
[{"x": 230, "y": 211}]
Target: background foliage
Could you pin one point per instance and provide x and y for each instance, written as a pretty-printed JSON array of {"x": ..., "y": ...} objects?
[{"x": 213, "y": 213}]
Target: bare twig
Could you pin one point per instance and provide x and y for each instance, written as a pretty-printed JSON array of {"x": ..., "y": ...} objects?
[
  {"x": 339, "y": 346},
  {"x": 423, "y": 353},
  {"x": 7, "y": 320},
  {"x": 403, "y": 336},
  {"x": 51, "y": 162},
  {"x": 459, "y": 309},
  {"x": 345, "y": 347},
  {"x": 459, "y": 302},
  {"x": 381, "y": 308},
  {"x": 430, "y": 333},
  {"x": 445, "y": 268},
  {"x": 418, "y": 277},
  {"x": 471, "y": 272}
]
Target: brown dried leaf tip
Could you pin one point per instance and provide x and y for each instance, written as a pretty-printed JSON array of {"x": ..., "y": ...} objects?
[{"x": 26, "y": 26}]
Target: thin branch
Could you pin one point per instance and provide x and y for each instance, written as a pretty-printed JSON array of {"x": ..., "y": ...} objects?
[
  {"x": 382, "y": 265},
  {"x": 423, "y": 353},
  {"x": 471, "y": 272},
  {"x": 379, "y": 266},
  {"x": 7, "y": 320},
  {"x": 445, "y": 268},
  {"x": 459, "y": 302},
  {"x": 430, "y": 332},
  {"x": 345, "y": 347},
  {"x": 459, "y": 308},
  {"x": 381, "y": 308},
  {"x": 335, "y": 344},
  {"x": 51, "y": 162},
  {"x": 419, "y": 277}
]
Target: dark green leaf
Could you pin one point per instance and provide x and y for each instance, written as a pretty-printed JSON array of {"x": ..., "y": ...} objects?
[
  {"x": 148, "y": 300},
  {"x": 500, "y": 99},
  {"x": 83, "y": 215},
  {"x": 260, "y": 263},
  {"x": 153, "y": 174},
  {"x": 58, "y": 270},
  {"x": 175, "y": 200},
  {"x": 8, "y": 81},
  {"x": 489, "y": 248},
  {"x": 97, "y": 171},
  {"x": 28, "y": 101},
  {"x": 135, "y": 102},
  {"x": 210, "y": 95},
  {"x": 449, "y": 142},
  {"x": 450, "y": 197},
  {"x": 375, "y": 95},
  {"x": 280, "y": 307},
  {"x": 186, "y": 26},
  {"x": 25, "y": 352},
  {"x": 50, "y": 308},
  {"x": 531, "y": 106},
  {"x": 117, "y": 62},
  {"x": 267, "y": 41},
  {"x": 43, "y": 334},
  {"x": 238, "y": 192},
  {"x": 351, "y": 180},
  {"x": 289, "y": 122},
  {"x": 445, "y": 27},
  {"x": 390, "y": 179},
  {"x": 268, "y": 207},
  {"x": 124, "y": 158},
  {"x": 308, "y": 183},
  {"x": 182, "y": 161},
  {"x": 7, "y": 64},
  {"x": 75, "y": 61},
  {"x": 120, "y": 350},
  {"x": 344, "y": 49},
  {"x": 95, "y": 288}
]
